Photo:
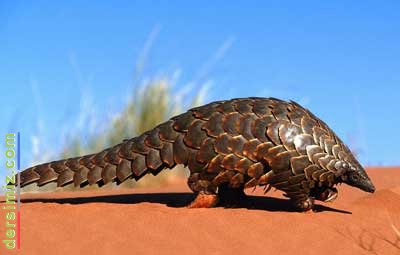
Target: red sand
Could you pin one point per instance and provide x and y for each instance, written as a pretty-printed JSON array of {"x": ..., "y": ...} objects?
[{"x": 150, "y": 221}]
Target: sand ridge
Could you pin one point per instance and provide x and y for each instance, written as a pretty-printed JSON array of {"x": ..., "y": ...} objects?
[{"x": 155, "y": 221}]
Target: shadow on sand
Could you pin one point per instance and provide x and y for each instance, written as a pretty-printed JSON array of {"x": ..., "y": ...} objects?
[{"x": 181, "y": 200}]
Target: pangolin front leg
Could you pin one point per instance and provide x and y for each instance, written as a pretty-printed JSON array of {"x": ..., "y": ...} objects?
[{"x": 305, "y": 205}]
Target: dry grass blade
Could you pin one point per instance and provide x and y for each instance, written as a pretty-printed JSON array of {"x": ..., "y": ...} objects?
[
  {"x": 396, "y": 230},
  {"x": 150, "y": 104}
]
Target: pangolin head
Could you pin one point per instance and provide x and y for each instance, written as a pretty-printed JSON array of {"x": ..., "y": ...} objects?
[
  {"x": 355, "y": 175},
  {"x": 350, "y": 172}
]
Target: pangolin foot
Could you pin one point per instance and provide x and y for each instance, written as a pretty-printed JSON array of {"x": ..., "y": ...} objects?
[
  {"x": 306, "y": 205},
  {"x": 204, "y": 200}
]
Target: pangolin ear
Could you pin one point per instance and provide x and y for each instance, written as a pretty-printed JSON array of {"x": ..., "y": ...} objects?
[{"x": 344, "y": 177}]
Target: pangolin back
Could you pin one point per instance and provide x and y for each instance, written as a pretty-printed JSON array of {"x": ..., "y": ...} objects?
[{"x": 237, "y": 143}]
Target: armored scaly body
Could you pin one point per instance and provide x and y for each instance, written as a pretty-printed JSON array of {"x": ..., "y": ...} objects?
[{"x": 227, "y": 146}]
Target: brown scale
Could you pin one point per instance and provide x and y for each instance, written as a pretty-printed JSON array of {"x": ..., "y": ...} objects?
[
  {"x": 205, "y": 112},
  {"x": 195, "y": 135},
  {"x": 59, "y": 166},
  {"x": 226, "y": 107},
  {"x": 112, "y": 156},
  {"x": 243, "y": 165},
  {"x": 138, "y": 145},
  {"x": 206, "y": 151},
  {"x": 230, "y": 122},
  {"x": 47, "y": 174},
  {"x": 261, "y": 108},
  {"x": 227, "y": 146},
  {"x": 94, "y": 176},
  {"x": 236, "y": 145},
  {"x": 250, "y": 149},
  {"x": 167, "y": 154},
  {"x": 193, "y": 164},
  {"x": 262, "y": 150},
  {"x": 243, "y": 106},
  {"x": 280, "y": 111},
  {"x": 299, "y": 163},
  {"x": 259, "y": 127},
  {"x": 153, "y": 139},
  {"x": 109, "y": 173},
  {"x": 273, "y": 131},
  {"x": 153, "y": 160},
  {"x": 80, "y": 176},
  {"x": 166, "y": 132},
  {"x": 287, "y": 133},
  {"x": 213, "y": 126},
  {"x": 139, "y": 166},
  {"x": 180, "y": 151},
  {"x": 302, "y": 142},
  {"x": 221, "y": 144},
  {"x": 215, "y": 164},
  {"x": 295, "y": 115},
  {"x": 230, "y": 161},
  {"x": 67, "y": 176},
  {"x": 124, "y": 170},
  {"x": 307, "y": 124}
]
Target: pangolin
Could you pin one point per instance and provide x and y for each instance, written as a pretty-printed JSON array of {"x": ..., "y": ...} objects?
[{"x": 227, "y": 146}]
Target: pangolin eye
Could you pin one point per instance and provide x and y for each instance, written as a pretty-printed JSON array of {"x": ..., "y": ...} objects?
[{"x": 355, "y": 177}]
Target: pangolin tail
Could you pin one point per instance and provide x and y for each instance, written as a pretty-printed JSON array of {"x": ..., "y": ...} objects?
[{"x": 150, "y": 152}]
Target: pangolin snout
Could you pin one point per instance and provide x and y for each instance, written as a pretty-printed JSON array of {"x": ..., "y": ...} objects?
[
  {"x": 359, "y": 179},
  {"x": 369, "y": 187}
]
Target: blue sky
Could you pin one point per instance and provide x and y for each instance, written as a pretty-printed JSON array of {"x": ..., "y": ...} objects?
[{"x": 341, "y": 59}]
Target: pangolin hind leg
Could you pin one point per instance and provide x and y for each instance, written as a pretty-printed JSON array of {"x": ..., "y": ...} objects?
[
  {"x": 226, "y": 196},
  {"x": 208, "y": 195},
  {"x": 206, "y": 192}
]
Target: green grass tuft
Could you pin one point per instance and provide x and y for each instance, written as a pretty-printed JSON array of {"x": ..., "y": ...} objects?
[{"x": 150, "y": 104}]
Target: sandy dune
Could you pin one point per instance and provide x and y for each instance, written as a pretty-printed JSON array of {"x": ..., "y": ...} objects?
[{"x": 154, "y": 221}]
